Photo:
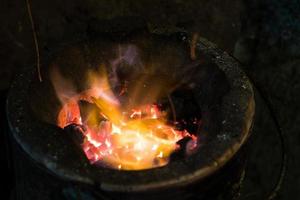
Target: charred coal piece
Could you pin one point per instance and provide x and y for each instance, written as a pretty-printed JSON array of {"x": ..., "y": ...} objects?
[
  {"x": 186, "y": 104},
  {"x": 76, "y": 133},
  {"x": 181, "y": 152},
  {"x": 90, "y": 113}
]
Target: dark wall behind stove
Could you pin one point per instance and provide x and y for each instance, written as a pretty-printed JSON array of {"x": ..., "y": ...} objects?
[
  {"x": 264, "y": 35},
  {"x": 269, "y": 47},
  {"x": 58, "y": 21}
]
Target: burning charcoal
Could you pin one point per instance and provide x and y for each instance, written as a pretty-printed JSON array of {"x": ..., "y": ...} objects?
[
  {"x": 86, "y": 108},
  {"x": 76, "y": 132},
  {"x": 90, "y": 113}
]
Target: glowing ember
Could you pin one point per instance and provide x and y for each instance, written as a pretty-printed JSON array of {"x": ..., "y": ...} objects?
[
  {"x": 139, "y": 140},
  {"x": 127, "y": 137}
]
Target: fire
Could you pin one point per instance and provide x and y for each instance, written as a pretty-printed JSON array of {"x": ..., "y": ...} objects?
[
  {"x": 134, "y": 141},
  {"x": 127, "y": 137}
]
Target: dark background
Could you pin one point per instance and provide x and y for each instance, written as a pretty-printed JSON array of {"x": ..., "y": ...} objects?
[{"x": 263, "y": 35}]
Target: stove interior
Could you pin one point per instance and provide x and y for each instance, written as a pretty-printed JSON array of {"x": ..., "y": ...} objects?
[{"x": 132, "y": 104}]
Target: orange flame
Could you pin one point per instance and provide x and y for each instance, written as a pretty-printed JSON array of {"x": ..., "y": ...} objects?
[{"x": 129, "y": 139}]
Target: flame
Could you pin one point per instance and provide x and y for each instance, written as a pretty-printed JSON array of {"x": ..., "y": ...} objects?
[{"x": 128, "y": 137}]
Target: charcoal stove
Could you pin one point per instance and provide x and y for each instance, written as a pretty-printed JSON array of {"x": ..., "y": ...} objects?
[{"x": 222, "y": 94}]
